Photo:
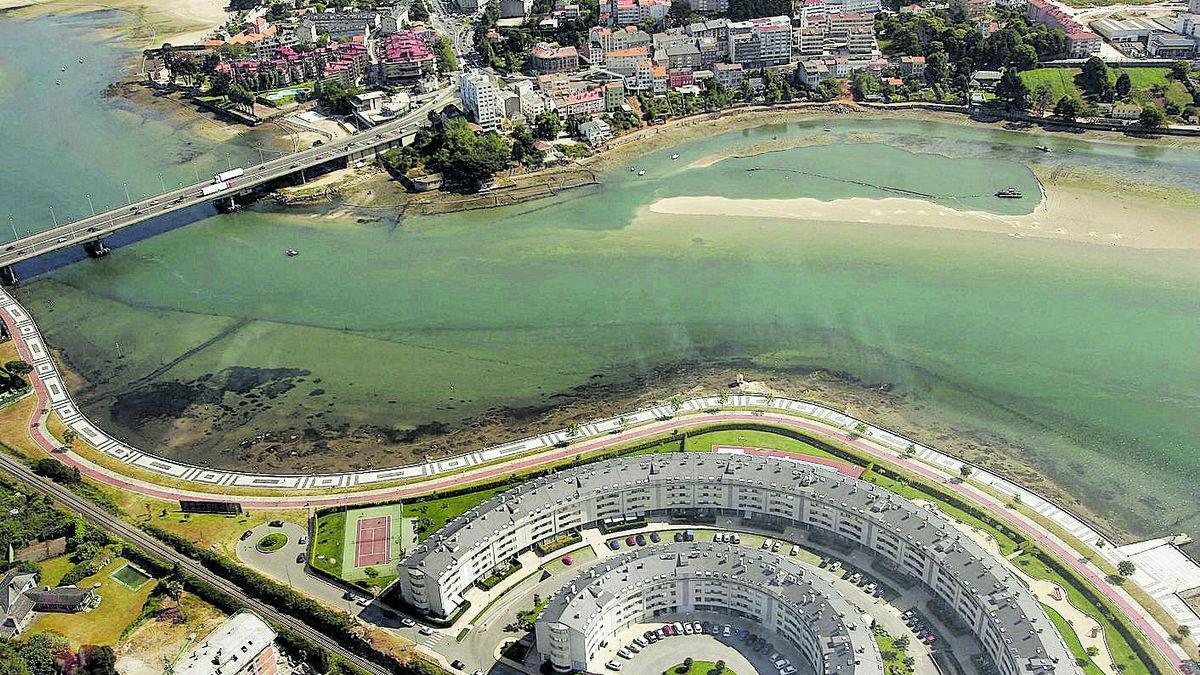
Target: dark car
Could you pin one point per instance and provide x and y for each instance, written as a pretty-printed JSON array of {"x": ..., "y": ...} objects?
[
  {"x": 630, "y": 540},
  {"x": 615, "y": 544},
  {"x": 641, "y": 541},
  {"x": 457, "y": 665},
  {"x": 678, "y": 536},
  {"x": 246, "y": 535},
  {"x": 654, "y": 537},
  {"x": 276, "y": 523},
  {"x": 301, "y": 557}
]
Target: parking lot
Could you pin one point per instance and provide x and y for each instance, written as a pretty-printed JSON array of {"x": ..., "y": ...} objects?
[{"x": 747, "y": 649}]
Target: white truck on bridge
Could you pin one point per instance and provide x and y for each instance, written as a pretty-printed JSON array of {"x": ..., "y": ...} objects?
[
  {"x": 226, "y": 176},
  {"x": 214, "y": 188}
]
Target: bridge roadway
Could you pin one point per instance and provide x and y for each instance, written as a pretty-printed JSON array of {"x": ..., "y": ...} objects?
[{"x": 95, "y": 227}]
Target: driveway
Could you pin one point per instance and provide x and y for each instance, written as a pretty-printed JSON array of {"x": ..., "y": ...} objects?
[{"x": 281, "y": 565}]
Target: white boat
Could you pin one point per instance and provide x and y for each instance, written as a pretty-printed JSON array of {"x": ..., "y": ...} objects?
[
  {"x": 58, "y": 82},
  {"x": 1043, "y": 148},
  {"x": 642, "y": 172},
  {"x": 828, "y": 128},
  {"x": 676, "y": 156},
  {"x": 64, "y": 69},
  {"x": 292, "y": 253}
]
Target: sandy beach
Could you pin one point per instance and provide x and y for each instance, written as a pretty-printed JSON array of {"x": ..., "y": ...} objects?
[
  {"x": 152, "y": 22},
  {"x": 1066, "y": 213}
]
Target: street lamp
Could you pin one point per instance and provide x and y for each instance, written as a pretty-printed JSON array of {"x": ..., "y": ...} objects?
[
  {"x": 228, "y": 161},
  {"x": 52, "y": 216},
  {"x": 90, "y": 206},
  {"x": 163, "y": 182},
  {"x": 128, "y": 199},
  {"x": 13, "y": 223}
]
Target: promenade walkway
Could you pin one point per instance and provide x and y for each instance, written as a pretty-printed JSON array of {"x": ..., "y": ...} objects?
[{"x": 499, "y": 461}]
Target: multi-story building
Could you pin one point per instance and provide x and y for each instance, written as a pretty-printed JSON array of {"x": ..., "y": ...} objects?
[
  {"x": 779, "y": 494},
  {"x": 975, "y": 9},
  {"x": 480, "y": 98},
  {"x": 404, "y": 58},
  {"x": 709, "y": 6},
  {"x": 1081, "y": 41},
  {"x": 625, "y": 61},
  {"x": 717, "y": 29},
  {"x": 243, "y": 645},
  {"x": 595, "y": 132},
  {"x": 684, "y": 56},
  {"x": 580, "y": 103},
  {"x": 551, "y": 58},
  {"x": 515, "y": 9},
  {"x": 344, "y": 62},
  {"x": 812, "y": 72},
  {"x": 637, "y": 12},
  {"x": 342, "y": 25},
  {"x": 657, "y": 581},
  {"x": 810, "y": 41},
  {"x": 614, "y": 95},
  {"x": 861, "y": 41},
  {"x": 811, "y": 14},
  {"x": 729, "y": 75},
  {"x": 911, "y": 66},
  {"x": 759, "y": 43},
  {"x": 602, "y": 40},
  {"x": 841, "y": 23},
  {"x": 1170, "y": 46}
]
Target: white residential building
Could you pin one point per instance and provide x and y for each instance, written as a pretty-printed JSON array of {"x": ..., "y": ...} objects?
[{"x": 480, "y": 98}]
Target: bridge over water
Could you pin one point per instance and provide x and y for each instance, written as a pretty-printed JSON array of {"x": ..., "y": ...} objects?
[{"x": 90, "y": 231}]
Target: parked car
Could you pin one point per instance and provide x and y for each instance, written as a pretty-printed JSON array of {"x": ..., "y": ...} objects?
[
  {"x": 457, "y": 665},
  {"x": 641, "y": 540},
  {"x": 630, "y": 540},
  {"x": 727, "y": 630},
  {"x": 767, "y": 544},
  {"x": 613, "y": 665},
  {"x": 795, "y": 550},
  {"x": 276, "y": 523},
  {"x": 624, "y": 654},
  {"x": 654, "y": 537},
  {"x": 301, "y": 557},
  {"x": 246, "y": 535},
  {"x": 615, "y": 545}
]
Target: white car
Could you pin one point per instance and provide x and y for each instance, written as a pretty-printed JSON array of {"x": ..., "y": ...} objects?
[
  {"x": 687, "y": 629},
  {"x": 726, "y": 630},
  {"x": 613, "y": 665}
]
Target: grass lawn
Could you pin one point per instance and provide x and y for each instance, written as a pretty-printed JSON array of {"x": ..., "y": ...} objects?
[
  {"x": 1062, "y": 83},
  {"x": 698, "y": 668},
  {"x": 54, "y": 569},
  {"x": 1122, "y": 653},
  {"x": 326, "y": 550},
  {"x": 1060, "y": 80},
  {"x": 104, "y": 625},
  {"x": 893, "y": 657},
  {"x": 440, "y": 511},
  {"x": 272, "y": 542},
  {"x": 1072, "y": 641},
  {"x": 579, "y": 556}
]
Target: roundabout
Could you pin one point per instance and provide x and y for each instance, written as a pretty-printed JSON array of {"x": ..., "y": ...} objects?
[
  {"x": 700, "y": 668},
  {"x": 272, "y": 542}
]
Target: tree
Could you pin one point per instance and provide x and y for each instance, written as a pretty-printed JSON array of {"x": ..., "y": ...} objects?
[
  {"x": 719, "y": 667},
  {"x": 491, "y": 14},
  {"x": 1151, "y": 117},
  {"x": 418, "y": 11},
  {"x": 901, "y": 642},
  {"x": 676, "y": 403},
  {"x": 964, "y": 471},
  {"x": 18, "y": 367},
  {"x": 1068, "y": 108},
  {"x": 1180, "y": 70},
  {"x": 11, "y": 662},
  {"x": 100, "y": 661},
  {"x": 1124, "y": 85},
  {"x": 444, "y": 51},
  {"x": 572, "y": 430},
  {"x": 937, "y": 67},
  {"x": 523, "y": 149},
  {"x": 681, "y": 14},
  {"x": 547, "y": 125},
  {"x": 687, "y": 665},
  {"x": 1126, "y": 568},
  {"x": 1094, "y": 75},
  {"x": 468, "y": 158},
  {"x": 1041, "y": 98},
  {"x": 1012, "y": 90},
  {"x": 39, "y": 651}
]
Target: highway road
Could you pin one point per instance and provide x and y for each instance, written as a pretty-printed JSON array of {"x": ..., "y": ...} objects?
[
  {"x": 128, "y": 533},
  {"x": 97, "y": 226}
]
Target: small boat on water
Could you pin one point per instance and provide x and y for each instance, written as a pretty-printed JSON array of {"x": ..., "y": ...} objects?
[
  {"x": 292, "y": 253},
  {"x": 1043, "y": 148},
  {"x": 675, "y": 156},
  {"x": 828, "y": 128},
  {"x": 1009, "y": 193},
  {"x": 58, "y": 82},
  {"x": 81, "y": 59},
  {"x": 642, "y": 172},
  {"x": 64, "y": 69},
  {"x": 632, "y": 169}
]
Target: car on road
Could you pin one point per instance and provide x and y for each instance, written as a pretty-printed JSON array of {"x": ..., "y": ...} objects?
[
  {"x": 457, "y": 665},
  {"x": 276, "y": 523},
  {"x": 301, "y": 557},
  {"x": 407, "y": 622},
  {"x": 425, "y": 630},
  {"x": 246, "y": 535},
  {"x": 93, "y": 228},
  {"x": 9, "y": 248}
]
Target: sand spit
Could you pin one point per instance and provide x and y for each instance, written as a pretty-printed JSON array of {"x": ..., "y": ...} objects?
[{"x": 1065, "y": 214}]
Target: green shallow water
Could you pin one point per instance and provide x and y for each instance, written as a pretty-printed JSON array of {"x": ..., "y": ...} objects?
[{"x": 1087, "y": 355}]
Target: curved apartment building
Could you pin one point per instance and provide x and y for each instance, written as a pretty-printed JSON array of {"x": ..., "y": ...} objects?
[
  {"x": 769, "y": 493},
  {"x": 782, "y": 595}
]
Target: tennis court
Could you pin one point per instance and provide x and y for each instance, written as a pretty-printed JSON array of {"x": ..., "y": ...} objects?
[{"x": 373, "y": 541}]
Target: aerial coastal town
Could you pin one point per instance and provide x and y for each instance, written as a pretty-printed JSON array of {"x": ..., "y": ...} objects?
[
  {"x": 558, "y": 82},
  {"x": 740, "y": 503}
]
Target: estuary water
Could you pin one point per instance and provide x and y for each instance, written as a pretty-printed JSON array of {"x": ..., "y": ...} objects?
[{"x": 1085, "y": 354}]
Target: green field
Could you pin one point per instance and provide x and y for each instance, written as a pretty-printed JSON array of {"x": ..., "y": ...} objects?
[
  {"x": 1062, "y": 83},
  {"x": 272, "y": 542},
  {"x": 433, "y": 514},
  {"x": 698, "y": 668},
  {"x": 1072, "y": 640},
  {"x": 333, "y": 546},
  {"x": 104, "y": 625}
]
